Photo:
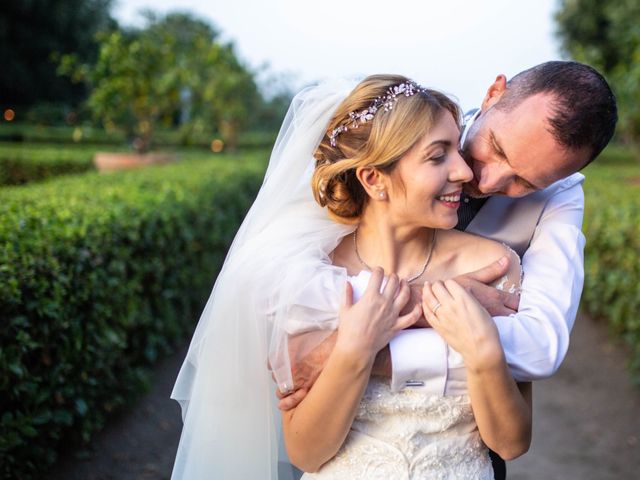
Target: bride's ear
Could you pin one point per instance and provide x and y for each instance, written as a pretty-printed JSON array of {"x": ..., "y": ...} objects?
[{"x": 373, "y": 181}]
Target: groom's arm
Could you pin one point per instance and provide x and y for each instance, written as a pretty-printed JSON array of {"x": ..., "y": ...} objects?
[{"x": 536, "y": 338}]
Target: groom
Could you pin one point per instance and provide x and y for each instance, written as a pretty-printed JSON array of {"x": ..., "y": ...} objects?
[{"x": 525, "y": 144}]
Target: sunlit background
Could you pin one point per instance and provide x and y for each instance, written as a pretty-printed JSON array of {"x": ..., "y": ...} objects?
[
  {"x": 134, "y": 136},
  {"x": 457, "y": 46}
]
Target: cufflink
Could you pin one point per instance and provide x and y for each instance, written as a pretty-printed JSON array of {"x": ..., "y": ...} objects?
[{"x": 413, "y": 383}]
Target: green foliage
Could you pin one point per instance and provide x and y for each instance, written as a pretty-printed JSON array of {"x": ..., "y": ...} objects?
[
  {"x": 86, "y": 135},
  {"x": 172, "y": 70},
  {"x": 32, "y": 34},
  {"x": 612, "y": 255},
  {"x": 21, "y": 164},
  {"x": 100, "y": 275},
  {"x": 38, "y": 133},
  {"x": 606, "y": 34}
]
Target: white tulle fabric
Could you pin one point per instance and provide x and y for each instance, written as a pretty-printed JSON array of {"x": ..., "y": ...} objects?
[{"x": 276, "y": 280}]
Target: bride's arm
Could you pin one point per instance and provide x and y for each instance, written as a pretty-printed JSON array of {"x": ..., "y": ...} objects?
[
  {"x": 501, "y": 407},
  {"x": 317, "y": 427}
]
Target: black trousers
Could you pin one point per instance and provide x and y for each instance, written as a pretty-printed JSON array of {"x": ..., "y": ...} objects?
[{"x": 499, "y": 466}]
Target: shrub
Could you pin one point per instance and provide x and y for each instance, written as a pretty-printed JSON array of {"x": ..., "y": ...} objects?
[
  {"x": 100, "y": 275},
  {"x": 21, "y": 164},
  {"x": 86, "y": 135},
  {"x": 26, "y": 132},
  {"x": 612, "y": 255}
]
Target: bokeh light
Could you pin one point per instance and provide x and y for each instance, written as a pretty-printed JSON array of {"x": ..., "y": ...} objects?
[
  {"x": 217, "y": 145},
  {"x": 9, "y": 115}
]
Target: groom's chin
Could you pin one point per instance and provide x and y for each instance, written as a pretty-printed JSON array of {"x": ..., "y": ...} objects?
[{"x": 471, "y": 191}]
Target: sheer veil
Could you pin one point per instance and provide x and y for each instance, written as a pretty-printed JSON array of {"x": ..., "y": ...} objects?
[{"x": 276, "y": 281}]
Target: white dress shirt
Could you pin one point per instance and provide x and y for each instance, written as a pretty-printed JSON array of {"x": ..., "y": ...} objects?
[{"x": 536, "y": 338}]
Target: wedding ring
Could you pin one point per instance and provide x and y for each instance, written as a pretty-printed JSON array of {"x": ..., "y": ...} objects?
[
  {"x": 434, "y": 309},
  {"x": 285, "y": 388}
]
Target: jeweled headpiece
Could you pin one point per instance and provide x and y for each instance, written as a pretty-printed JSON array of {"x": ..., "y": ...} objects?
[{"x": 408, "y": 88}]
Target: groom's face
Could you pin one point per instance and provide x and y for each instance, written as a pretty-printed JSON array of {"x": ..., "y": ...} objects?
[{"x": 513, "y": 152}]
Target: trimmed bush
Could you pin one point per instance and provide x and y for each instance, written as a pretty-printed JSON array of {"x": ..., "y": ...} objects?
[
  {"x": 99, "y": 275},
  {"x": 26, "y": 132},
  {"x": 612, "y": 255},
  {"x": 86, "y": 135},
  {"x": 20, "y": 164}
]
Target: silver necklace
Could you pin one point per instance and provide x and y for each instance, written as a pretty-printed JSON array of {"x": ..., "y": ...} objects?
[{"x": 409, "y": 280}]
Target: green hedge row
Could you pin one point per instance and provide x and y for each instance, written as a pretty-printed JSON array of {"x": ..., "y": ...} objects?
[
  {"x": 20, "y": 164},
  {"x": 29, "y": 133},
  {"x": 612, "y": 255},
  {"x": 99, "y": 276}
]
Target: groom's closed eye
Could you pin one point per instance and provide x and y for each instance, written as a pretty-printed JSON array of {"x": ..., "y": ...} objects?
[{"x": 497, "y": 149}]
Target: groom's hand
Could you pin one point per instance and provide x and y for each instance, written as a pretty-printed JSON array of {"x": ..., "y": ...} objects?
[
  {"x": 497, "y": 302},
  {"x": 305, "y": 371}
]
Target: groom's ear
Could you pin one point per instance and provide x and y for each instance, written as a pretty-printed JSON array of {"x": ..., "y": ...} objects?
[{"x": 494, "y": 93}]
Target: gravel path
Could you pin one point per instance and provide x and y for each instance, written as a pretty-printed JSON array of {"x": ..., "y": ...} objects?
[{"x": 586, "y": 423}]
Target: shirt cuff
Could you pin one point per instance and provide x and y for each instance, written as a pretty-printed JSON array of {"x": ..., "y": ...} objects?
[{"x": 418, "y": 360}]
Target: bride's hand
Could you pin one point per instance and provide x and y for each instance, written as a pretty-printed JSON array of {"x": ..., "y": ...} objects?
[
  {"x": 416, "y": 299},
  {"x": 463, "y": 323},
  {"x": 368, "y": 325}
]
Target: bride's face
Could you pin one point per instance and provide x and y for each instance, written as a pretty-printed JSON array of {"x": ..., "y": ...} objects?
[{"x": 425, "y": 187}]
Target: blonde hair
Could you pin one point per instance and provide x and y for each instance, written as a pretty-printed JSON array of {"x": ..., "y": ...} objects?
[{"x": 379, "y": 143}]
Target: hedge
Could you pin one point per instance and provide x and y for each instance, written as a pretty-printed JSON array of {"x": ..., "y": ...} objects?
[
  {"x": 20, "y": 164},
  {"x": 99, "y": 276},
  {"x": 85, "y": 135},
  {"x": 612, "y": 254}
]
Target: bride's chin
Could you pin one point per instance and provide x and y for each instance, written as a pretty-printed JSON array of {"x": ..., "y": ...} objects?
[{"x": 445, "y": 223}]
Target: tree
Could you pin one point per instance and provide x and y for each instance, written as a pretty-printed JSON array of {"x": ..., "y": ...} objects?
[
  {"x": 606, "y": 34},
  {"x": 33, "y": 33},
  {"x": 172, "y": 71}
]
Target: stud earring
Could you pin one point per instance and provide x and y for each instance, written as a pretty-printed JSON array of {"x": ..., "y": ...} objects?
[{"x": 381, "y": 195}]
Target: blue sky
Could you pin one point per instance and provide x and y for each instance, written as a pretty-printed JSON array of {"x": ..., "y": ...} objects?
[{"x": 454, "y": 45}]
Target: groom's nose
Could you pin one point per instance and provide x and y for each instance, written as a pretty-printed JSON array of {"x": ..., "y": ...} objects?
[{"x": 493, "y": 178}]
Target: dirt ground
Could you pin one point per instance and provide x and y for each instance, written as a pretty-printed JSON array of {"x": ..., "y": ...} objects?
[{"x": 586, "y": 423}]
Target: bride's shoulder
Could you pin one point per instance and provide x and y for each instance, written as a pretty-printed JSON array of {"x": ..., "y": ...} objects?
[{"x": 474, "y": 252}]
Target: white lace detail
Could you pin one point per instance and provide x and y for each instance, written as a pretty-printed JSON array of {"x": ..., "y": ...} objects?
[
  {"x": 502, "y": 283},
  {"x": 408, "y": 435}
]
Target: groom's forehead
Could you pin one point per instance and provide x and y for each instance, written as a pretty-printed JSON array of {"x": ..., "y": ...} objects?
[{"x": 525, "y": 136}]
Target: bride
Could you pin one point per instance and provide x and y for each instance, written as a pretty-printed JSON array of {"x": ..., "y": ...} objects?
[{"x": 370, "y": 177}]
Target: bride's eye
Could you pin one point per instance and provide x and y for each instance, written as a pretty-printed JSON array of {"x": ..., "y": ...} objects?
[{"x": 437, "y": 157}]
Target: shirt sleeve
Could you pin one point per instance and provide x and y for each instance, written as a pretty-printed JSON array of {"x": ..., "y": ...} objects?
[
  {"x": 536, "y": 339},
  {"x": 418, "y": 360}
]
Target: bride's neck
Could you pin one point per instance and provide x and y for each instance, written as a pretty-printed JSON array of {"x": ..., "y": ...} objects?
[{"x": 396, "y": 248}]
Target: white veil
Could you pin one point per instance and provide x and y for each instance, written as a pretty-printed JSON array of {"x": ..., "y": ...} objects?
[{"x": 277, "y": 280}]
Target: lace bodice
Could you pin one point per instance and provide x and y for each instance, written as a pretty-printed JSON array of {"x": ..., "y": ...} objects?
[{"x": 408, "y": 435}]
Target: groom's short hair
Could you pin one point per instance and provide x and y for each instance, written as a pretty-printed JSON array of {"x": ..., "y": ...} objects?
[{"x": 584, "y": 109}]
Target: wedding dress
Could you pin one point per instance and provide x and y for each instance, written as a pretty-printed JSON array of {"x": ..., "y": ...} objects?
[{"x": 408, "y": 435}]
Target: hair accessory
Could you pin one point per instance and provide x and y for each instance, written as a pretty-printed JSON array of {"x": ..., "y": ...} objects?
[{"x": 408, "y": 88}]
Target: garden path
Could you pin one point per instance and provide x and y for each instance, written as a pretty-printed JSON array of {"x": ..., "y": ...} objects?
[{"x": 586, "y": 423}]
